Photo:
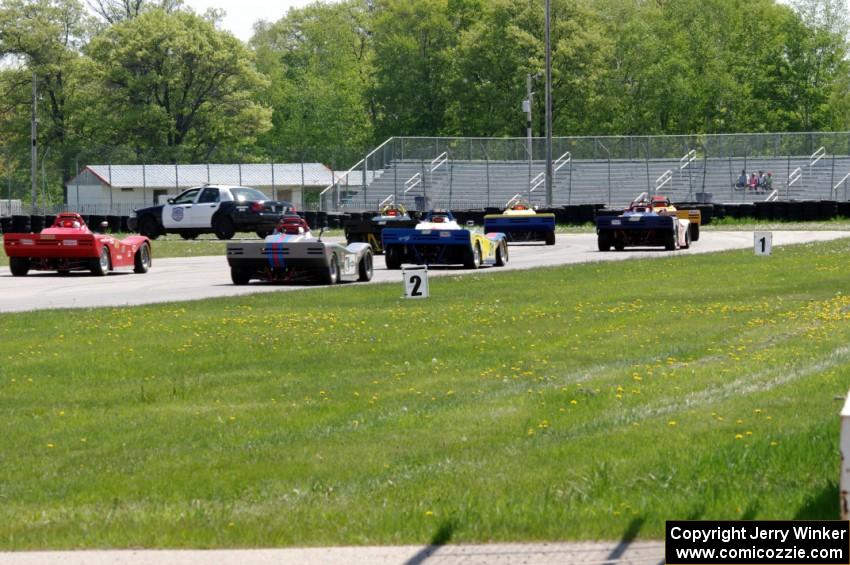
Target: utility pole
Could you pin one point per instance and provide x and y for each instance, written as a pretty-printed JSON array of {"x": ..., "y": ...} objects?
[
  {"x": 549, "y": 174},
  {"x": 526, "y": 107},
  {"x": 34, "y": 156}
]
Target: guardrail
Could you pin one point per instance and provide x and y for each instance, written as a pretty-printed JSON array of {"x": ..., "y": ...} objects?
[
  {"x": 689, "y": 158},
  {"x": 842, "y": 181},
  {"x": 665, "y": 178},
  {"x": 442, "y": 158},
  {"x": 412, "y": 182}
]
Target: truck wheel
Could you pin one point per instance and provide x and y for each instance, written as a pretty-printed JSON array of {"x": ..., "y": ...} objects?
[
  {"x": 100, "y": 266},
  {"x": 142, "y": 259},
  {"x": 603, "y": 241},
  {"x": 224, "y": 228},
  {"x": 550, "y": 238},
  {"x": 19, "y": 266},
  {"x": 148, "y": 227},
  {"x": 366, "y": 268}
]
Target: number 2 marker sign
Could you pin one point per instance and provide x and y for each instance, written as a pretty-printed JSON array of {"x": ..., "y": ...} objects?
[
  {"x": 415, "y": 282},
  {"x": 762, "y": 242}
]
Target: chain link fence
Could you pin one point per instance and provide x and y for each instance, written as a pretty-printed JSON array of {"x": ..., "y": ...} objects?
[{"x": 441, "y": 171}]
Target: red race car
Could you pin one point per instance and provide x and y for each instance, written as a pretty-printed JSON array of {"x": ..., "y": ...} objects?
[{"x": 68, "y": 245}]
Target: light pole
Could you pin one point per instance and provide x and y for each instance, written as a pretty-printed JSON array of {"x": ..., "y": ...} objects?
[
  {"x": 34, "y": 152},
  {"x": 549, "y": 173},
  {"x": 526, "y": 107}
]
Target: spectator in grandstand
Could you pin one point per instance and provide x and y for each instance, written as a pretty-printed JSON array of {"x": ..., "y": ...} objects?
[
  {"x": 742, "y": 180},
  {"x": 761, "y": 180},
  {"x": 754, "y": 182},
  {"x": 767, "y": 183}
]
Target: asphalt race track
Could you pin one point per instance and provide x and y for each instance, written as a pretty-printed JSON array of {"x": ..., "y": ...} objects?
[{"x": 194, "y": 278}]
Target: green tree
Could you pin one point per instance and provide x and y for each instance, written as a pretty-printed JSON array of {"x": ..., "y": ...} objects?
[
  {"x": 413, "y": 42},
  {"x": 319, "y": 60},
  {"x": 171, "y": 80},
  {"x": 44, "y": 38}
]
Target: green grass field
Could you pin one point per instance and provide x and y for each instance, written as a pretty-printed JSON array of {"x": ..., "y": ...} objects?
[{"x": 584, "y": 402}]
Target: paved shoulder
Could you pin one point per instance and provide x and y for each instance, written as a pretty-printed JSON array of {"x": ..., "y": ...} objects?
[{"x": 644, "y": 553}]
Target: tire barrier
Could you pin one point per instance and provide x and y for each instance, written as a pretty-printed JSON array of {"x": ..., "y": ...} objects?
[
  {"x": 844, "y": 209},
  {"x": 6, "y": 224},
  {"x": 811, "y": 209},
  {"x": 310, "y": 218},
  {"x": 706, "y": 213},
  {"x": 94, "y": 223},
  {"x": 20, "y": 224},
  {"x": 321, "y": 219},
  {"x": 36, "y": 223},
  {"x": 747, "y": 211},
  {"x": 49, "y": 219},
  {"x": 125, "y": 224},
  {"x": 765, "y": 210},
  {"x": 114, "y": 223},
  {"x": 586, "y": 213},
  {"x": 828, "y": 210}
]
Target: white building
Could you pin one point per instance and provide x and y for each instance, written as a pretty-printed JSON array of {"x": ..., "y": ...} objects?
[{"x": 120, "y": 189}]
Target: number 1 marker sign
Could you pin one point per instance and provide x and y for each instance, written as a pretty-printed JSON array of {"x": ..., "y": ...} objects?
[
  {"x": 762, "y": 242},
  {"x": 415, "y": 282}
]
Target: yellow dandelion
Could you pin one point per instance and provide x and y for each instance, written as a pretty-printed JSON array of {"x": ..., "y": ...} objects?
[
  {"x": 573, "y": 401},
  {"x": 50, "y": 446},
  {"x": 671, "y": 423},
  {"x": 739, "y": 436}
]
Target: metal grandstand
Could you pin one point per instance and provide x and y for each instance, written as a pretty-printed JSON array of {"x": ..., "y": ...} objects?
[{"x": 463, "y": 172}]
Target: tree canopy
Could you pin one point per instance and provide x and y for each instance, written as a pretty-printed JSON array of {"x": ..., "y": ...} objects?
[{"x": 152, "y": 80}]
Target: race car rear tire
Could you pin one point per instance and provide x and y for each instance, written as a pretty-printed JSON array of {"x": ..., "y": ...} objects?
[
  {"x": 694, "y": 229},
  {"x": 142, "y": 259},
  {"x": 550, "y": 238},
  {"x": 100, "y": 267},
  {"x": 148, "y": 227},
  {"x": 331, "y": 274},
  {"x": 239, "y": 276},
  {"x": 366, "y": 268},
  {"x": 670, "y": 241},
  {"x": 604, "y": 241},
  {"x": 224, "y": 228},
  {"x": 19, "y": 266},
  {"x": 502, "y": 254},
  {"x": 687, "y": 244},
  {"x": 473, "y": 257},
  {"x": 619, "y": 243},
  {"x": 392, "y": 256}
]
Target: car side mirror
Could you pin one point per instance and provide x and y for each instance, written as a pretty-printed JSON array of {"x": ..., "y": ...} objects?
[
  {"x": 469, "y": 223},
  {"x": 170, "y": 201}
]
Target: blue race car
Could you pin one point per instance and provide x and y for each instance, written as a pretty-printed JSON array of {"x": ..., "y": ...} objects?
[{"x": 439, "y": 240}]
